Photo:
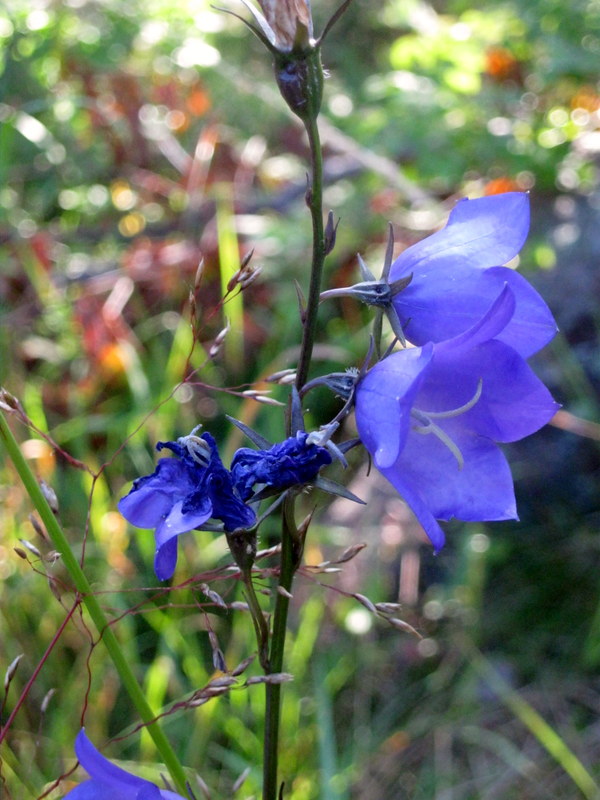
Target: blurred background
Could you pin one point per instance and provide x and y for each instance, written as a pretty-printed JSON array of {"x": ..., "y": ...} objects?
[{"x": 137, "y": 138}]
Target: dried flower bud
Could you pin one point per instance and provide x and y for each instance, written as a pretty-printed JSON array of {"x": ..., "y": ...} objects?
[
  {"x": 290, "y": 20},
  {"x": 330, "y": 233}
]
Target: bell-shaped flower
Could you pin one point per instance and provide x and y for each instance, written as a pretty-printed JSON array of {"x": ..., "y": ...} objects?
[
  {"x": 181, "y": 495},
  {"x": 439, "y": 287},
  {"x": 432, "y": 416},
  {"x": 457, "y": 273},
  {"x": 109, "y": 782}
]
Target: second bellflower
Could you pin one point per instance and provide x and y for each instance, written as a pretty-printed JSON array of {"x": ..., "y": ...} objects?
[
  {"x": 432, "y": 416},
  {"x": 457, "y": 273}
]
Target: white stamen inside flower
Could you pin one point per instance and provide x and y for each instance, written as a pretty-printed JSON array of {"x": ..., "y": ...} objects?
[
  {"x": 198, "y": 449},
  {"x": 426, "y": 425}
]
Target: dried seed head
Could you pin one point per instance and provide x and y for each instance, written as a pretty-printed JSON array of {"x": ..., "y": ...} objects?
[
  {"x": 212, "y": 595},
  {"x": 226, "y": 681},
  {"x": 233, "y": 281},
  {"x": 248, "y": 278},
  {"x": 203, "y": 787},
  {"x": 350, "y": 553},
  {"x": 8, "y": 402},
  {"x": 267, "y": 401},
  {"x": 219, "y": 660},
  {"x": 284, "y": 593},
  {"x": 37, "y": 527},
  {"x": 404, "y": 626},
  {"x": 239, "y": 605},
  {"x": 46, "y": 701},
  {"x": 50, "y": 496},
  {"x": 278, "y": 377},
  {"x": 275, "y": 677},
  {"x": 242, "y": 666},
  {"x": 21, "y": 553},
  {"x": 199, "y": 274},
  {"x": 365, "y": 602},
  {"x": 241, "y": 780},
  {"x": 218, "y": 342},
  {"x": 31, "y": 547},
  {"x": 11, "y": 671},
  {"x": 388, "y": 608}
]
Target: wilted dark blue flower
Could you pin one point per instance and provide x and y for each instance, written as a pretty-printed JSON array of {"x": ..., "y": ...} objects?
[
  {"x": 456, "y": 275},
  {"x": 108, "y": 782},
  {"x": 431, "y": 417},
  {"x": 296, "y": 460},
  {"x": 182, "y": 494}
]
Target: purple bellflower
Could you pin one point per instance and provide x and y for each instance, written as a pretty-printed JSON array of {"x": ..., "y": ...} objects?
[
  {"x": 431, "y": 418},
  {"x": 296, "y": 460},
  {"x": 456, "y": 275},
  {"x": 108, "y": 782},
  {"x": 438, "y": 288},
  {"x": 182, "y": 494}
]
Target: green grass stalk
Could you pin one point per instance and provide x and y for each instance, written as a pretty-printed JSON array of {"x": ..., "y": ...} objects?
[{"x": 89, "y": 600}]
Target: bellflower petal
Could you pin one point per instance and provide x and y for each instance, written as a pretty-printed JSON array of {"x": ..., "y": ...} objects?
[
  {"x": 431, "y": 418},
  {"x": 457, "y": 272},
  {"x": 182, "y": 494},
  {"x": 109, "y": 782}
]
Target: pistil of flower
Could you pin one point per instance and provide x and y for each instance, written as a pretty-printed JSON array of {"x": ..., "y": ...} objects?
[
  {"x": 423, "y": 423},
  {"x": 198, "y": 449}
]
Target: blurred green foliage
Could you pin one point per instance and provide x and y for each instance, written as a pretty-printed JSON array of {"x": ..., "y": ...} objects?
[{"x": 137, "y": 139}]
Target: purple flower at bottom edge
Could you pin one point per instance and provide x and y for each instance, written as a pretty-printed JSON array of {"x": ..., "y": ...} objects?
[
  {"x": 181, "y": 495},
  {"x": 109, "y": 782},
  {"x": 431, "y": 417},
  {"x": 457, "y": 272}
]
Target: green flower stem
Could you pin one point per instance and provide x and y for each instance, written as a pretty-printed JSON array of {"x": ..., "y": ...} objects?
[
  {"x": 84, "y": 589},
  {"x": 291, "y": 546},
  {"x": 288, "y": 566},
  {"x": 315, "y": 204}
]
